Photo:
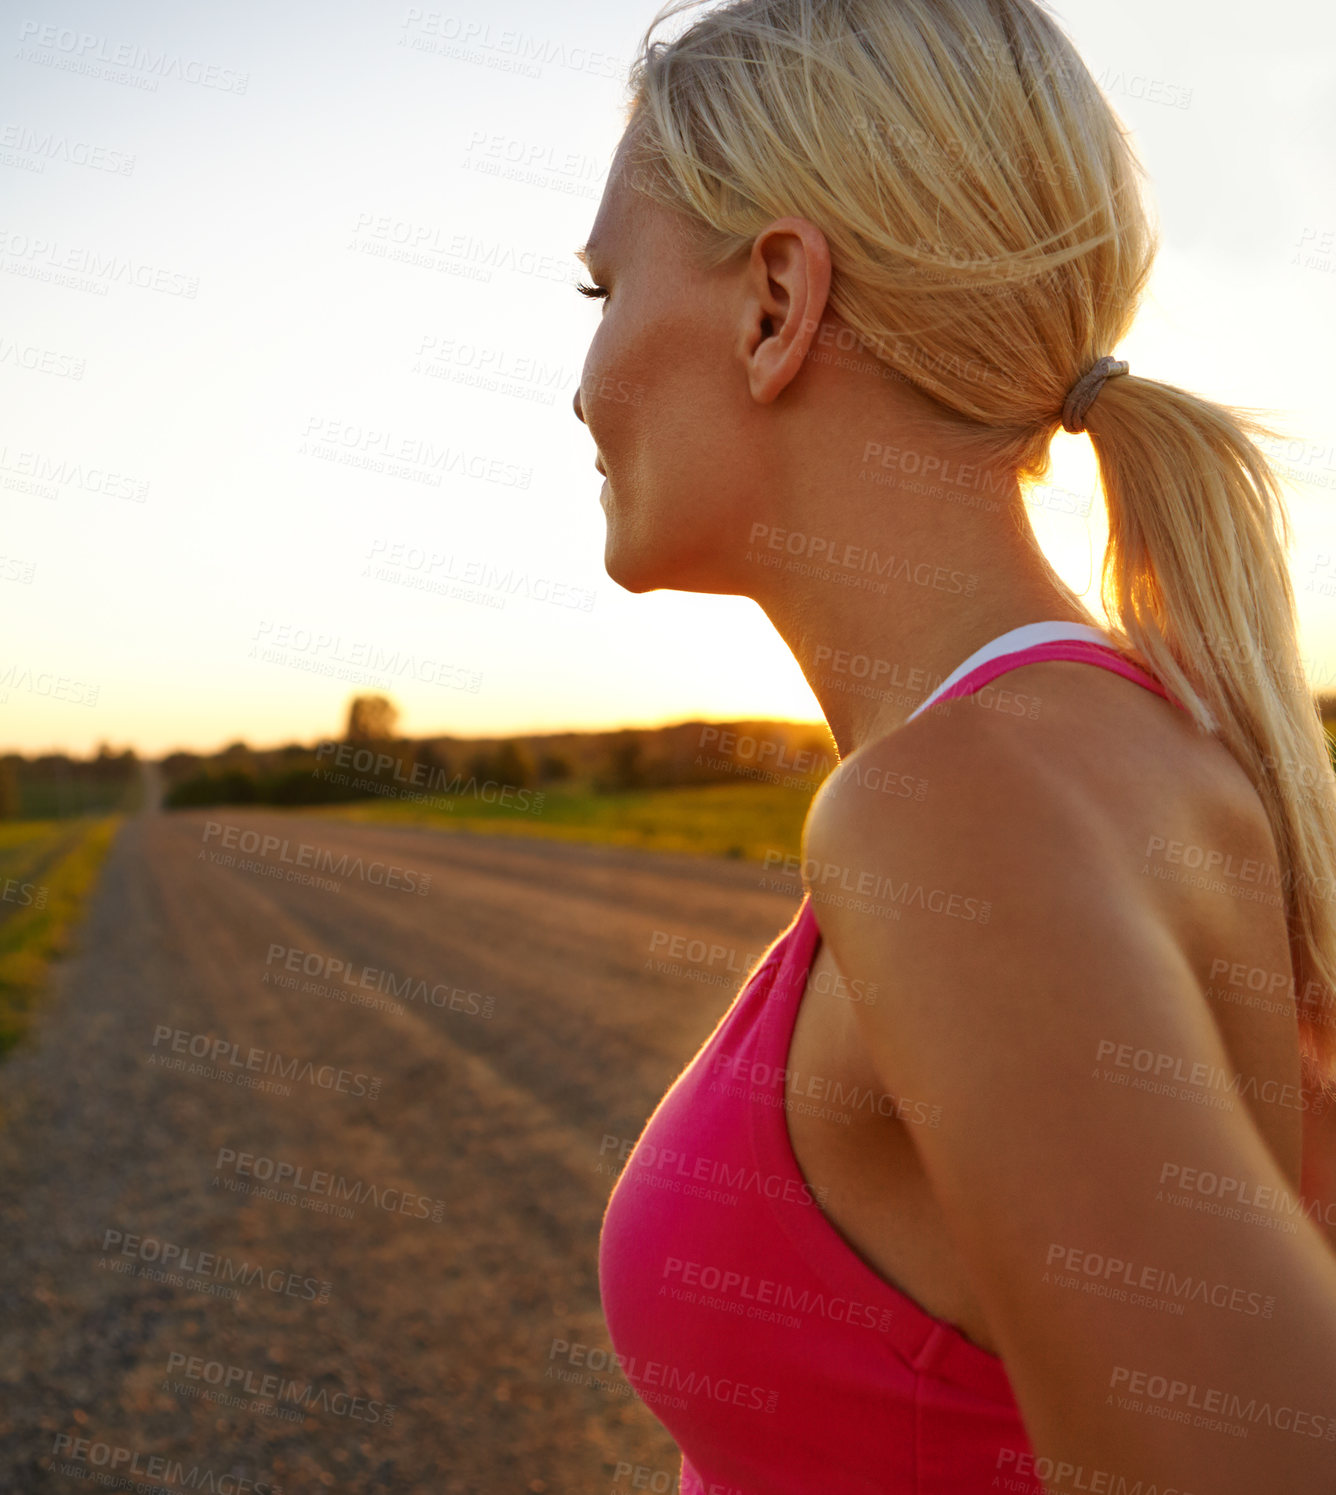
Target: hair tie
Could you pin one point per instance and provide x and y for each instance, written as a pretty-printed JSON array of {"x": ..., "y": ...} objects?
[{"x": 1085, "y": 392}]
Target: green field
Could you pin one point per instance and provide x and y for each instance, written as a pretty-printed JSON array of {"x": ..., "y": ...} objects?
[
  {"x": 47, "y": 869},
  {"x": 51, "y": 798},
  {"x": 732, "y": 820}
]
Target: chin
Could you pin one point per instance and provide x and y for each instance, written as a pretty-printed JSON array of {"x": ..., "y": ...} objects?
[
  {"x": 651, "y": 557},
  {"x": 646, "y": 567},
  {"x": 633, "y": 572}
]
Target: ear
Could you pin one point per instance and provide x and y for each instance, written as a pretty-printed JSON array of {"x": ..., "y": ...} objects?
[{"x": 787, "y": 285}]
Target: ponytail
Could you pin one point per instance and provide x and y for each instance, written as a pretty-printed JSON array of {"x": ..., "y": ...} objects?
[{"x": 1196, "y": 581}]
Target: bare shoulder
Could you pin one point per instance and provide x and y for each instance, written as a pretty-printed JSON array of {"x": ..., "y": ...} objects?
[
  {"x": 1004, "y": 842},
  {"x": 1030, "y": 960},
  {"x": 1104, "y": 788},
  {"x": 1106, "y": 827}
]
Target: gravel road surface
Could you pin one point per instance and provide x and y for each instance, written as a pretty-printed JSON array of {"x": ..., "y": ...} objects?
[{"x": 303, "y": 1164}]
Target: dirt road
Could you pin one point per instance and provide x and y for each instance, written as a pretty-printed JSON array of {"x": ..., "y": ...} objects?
[{"x": 302, "y": 1169}]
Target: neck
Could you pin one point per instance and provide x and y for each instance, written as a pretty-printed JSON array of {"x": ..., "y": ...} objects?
[{"x": 877, "y": 615}]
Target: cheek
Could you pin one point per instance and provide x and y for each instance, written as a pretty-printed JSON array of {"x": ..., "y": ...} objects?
[
  {"x": 614, "y": 383},
  {"x": 655, "y": 397},
  {"x": 611, "y": 401}
]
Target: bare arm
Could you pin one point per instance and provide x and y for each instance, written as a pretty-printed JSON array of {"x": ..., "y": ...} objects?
[{"x": 1151, "y": 1341}]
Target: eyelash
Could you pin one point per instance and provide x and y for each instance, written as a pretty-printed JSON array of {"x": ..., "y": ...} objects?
[{"x": 597, "y": 292}]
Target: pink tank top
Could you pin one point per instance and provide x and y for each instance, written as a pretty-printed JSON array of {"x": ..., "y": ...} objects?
[{"x": 775, "y": 1355}]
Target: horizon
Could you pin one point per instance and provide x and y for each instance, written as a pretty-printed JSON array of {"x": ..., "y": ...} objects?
[
  {"x": 815, "y": 723},
  {"x": 288, "y": 383}
]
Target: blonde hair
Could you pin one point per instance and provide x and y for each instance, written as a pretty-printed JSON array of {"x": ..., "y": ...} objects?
[{"x": 989, "y": 242}]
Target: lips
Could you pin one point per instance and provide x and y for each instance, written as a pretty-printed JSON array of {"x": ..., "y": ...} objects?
[{"x": 598, "y": 466}]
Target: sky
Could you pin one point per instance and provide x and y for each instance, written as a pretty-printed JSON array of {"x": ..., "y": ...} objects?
[{"x": 288, "y": 346}]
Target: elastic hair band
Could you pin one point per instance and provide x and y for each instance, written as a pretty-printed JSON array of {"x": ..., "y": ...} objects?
[{"x": 1085, "y": 392}]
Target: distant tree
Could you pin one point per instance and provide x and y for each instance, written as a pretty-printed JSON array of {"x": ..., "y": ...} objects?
[
  {"x": 506, "y": 763},
  {"x": 371, "y": 719},
  {"x": 231, "y": 787},
  {"x": 431, "y": 758},
  {"x": 552, "y": 767},
  {"x": 177, "y": 766},
  {"x": 11, "y": 804},
  {"x": 110, "y": 768},
  {"x": 512, "y": 765},
  {"x": 298, "y": 786},
  {"x": 624, "y": 768}
]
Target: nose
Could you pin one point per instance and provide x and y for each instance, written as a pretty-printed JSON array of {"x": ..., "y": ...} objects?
[{"x": 579, "y": 411}]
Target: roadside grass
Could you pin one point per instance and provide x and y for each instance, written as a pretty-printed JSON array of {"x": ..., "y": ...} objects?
[
  {"x": 744, "y": 821},
  {"x": 47, "y": 869}
]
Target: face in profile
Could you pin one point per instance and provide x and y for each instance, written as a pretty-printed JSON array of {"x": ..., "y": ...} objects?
[{"x": 665, "y": 398}]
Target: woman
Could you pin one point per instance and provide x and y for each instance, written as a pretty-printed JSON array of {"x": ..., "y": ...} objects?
[{"x": 993, "y": 1176}]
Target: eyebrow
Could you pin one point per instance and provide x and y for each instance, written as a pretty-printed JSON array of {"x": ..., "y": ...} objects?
[{"x": 584, "y": 253}]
